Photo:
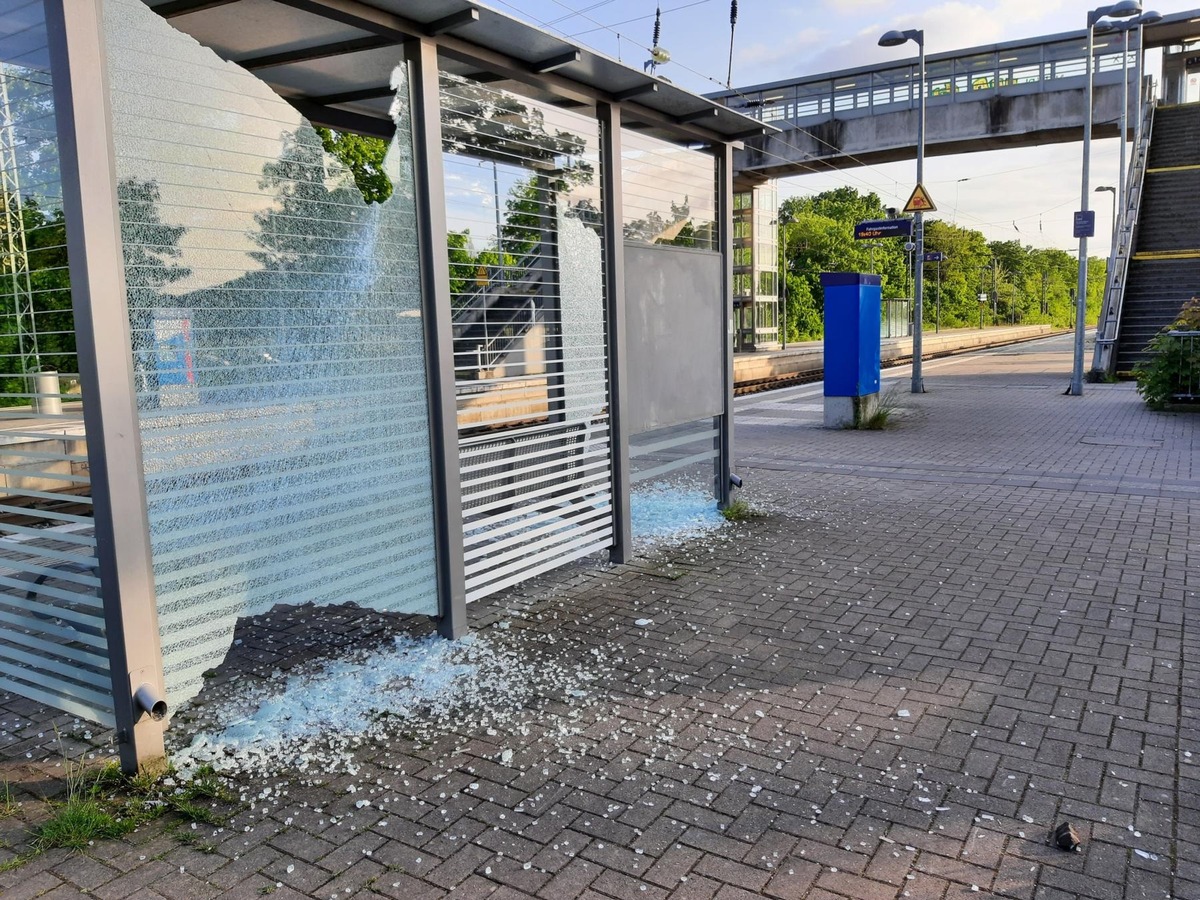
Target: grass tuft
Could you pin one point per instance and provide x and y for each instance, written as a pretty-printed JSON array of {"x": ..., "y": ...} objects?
[
  {"x": 739, "y": 511},
  {"x": 77, "y": 823}
]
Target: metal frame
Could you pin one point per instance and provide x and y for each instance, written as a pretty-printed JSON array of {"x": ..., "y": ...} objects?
[
  {"x": 439, "y": 339},
  {"x": 612, "y": 202},
  {"x": 81, "y": 100},
  {"x": 724, "y": 156}
]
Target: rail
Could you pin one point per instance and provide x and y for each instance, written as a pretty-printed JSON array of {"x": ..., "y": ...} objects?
[
  {"x": 1104, "y": 356},
  {"x": 964, "y": 76},
  {"x": 1187, "y": 378}
]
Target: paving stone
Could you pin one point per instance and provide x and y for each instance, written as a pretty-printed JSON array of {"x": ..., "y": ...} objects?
[{"x": 1013, "y": 568}]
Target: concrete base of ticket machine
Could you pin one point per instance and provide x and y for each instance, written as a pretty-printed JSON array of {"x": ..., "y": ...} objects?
[{"x": 852, "y": 315}]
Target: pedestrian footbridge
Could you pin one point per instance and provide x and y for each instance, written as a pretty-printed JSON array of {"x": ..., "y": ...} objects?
[{"x": 1019, "y": 93}]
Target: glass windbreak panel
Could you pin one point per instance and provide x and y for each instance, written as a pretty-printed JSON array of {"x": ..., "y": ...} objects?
[
  {"x": 670, "y": 193},
  {"x": 278, "y": 349},
  {"x": 672, "y": 474},
  {"x": 53, "y": 647},
  {"x": 525, "y": 220}
]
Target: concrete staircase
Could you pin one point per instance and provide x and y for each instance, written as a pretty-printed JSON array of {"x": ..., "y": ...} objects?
[{"x": 1165, "y": 269}]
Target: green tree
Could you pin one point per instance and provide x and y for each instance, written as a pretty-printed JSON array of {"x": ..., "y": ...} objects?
[
  {"x": 1032, "y": 286},
  {"x": 363, "y": 156}
]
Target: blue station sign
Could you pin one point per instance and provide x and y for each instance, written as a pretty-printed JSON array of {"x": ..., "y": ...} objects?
[{"x": 1085, "y": 223}]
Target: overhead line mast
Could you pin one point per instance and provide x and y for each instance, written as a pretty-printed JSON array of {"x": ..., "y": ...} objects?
[{"x": 15, "y": 260}]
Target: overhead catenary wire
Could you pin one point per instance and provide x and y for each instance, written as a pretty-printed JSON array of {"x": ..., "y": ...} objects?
[{"x": 814, "y": 164}]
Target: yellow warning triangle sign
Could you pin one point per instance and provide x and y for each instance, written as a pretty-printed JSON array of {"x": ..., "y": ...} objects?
[{"x": 920, "y": 201}]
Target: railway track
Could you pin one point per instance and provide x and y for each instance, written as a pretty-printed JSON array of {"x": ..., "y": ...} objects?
[{"x": 74, "y": 502}]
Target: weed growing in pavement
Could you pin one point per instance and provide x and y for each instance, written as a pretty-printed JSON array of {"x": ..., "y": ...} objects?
[
  {"x": 84, "y": 816},
  {"x": 880, "y": 417},
  {"x": 102, "y": 803},
  {"x": 8, "y": 806},
  {"x": 739, "y": 511}
]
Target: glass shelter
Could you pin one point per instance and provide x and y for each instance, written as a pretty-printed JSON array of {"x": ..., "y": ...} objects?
[{"x": 237, "y": 372}]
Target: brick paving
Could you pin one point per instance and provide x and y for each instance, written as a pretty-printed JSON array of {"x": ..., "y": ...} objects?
[{"x": 939, "y": 640}]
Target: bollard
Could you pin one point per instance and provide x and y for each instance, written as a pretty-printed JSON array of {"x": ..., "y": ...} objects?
[{"x": 47, "y": 399}]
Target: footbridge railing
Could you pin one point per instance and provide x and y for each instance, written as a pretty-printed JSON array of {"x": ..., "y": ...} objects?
[{"x": 1043, "y": 65}]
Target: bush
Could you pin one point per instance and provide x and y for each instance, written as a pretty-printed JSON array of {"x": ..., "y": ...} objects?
[{"x": 1174, "y": 361}]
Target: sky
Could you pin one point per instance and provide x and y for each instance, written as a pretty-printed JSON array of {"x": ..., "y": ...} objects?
[{"x": 1025, "y": 194}]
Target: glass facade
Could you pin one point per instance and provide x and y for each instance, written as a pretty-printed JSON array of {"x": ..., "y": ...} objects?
[
  {"x": 755, "y": 268},
  {"x": 278, "y": 349}
]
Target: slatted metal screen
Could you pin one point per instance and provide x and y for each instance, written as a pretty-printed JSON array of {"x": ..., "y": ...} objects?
[
  {"x": 52, "y": 635},
  {"x": 524, "y": 212}
]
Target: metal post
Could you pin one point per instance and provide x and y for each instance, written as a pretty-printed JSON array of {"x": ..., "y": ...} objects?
[
  {"x": 995, "y": 295},
  {"x": 1124, "y": 200},
  {"x": 1076, "y": 388},
  {"x": 783, "y": 312},
  {"x": 1138, "y": 69},
  {"x": 937, "y": 321},
  {"x": 75, "y": 32},
  {"x": 918, "y": 382},
  {"x": 501, "y": 269},
  {"x": 614, "y": 299},
  {"x": 724, "y": 159},
  {"x": 430, "y": 190}
]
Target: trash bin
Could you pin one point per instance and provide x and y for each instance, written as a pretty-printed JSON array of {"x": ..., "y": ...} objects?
[{"x": 47, "y": 400}]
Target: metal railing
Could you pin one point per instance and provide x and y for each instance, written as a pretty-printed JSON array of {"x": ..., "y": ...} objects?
[
  {"x": 963, "y": 76},
  {"x": 1109, "y": 328},
  {"x": 1187, "y": 379}
]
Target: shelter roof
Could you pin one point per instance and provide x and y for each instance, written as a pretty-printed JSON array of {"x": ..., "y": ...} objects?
[{"x": 333, "y": 60}]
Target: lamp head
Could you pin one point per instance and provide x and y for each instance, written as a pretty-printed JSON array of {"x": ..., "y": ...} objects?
[
  {"x": 896, "y": 38},
  {"x": 1122, "y": 9},
  {"x": 1149, "y": 17}
]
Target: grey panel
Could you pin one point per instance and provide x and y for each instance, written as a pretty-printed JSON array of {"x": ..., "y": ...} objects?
[{"x": 674, "y": 307}]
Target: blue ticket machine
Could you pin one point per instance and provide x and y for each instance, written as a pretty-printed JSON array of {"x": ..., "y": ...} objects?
[{"x": 852, "y": 315}]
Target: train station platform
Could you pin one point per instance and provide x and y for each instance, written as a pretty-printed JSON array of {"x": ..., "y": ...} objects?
[
  {"x": 932, "y": 644},
  {"x": 807, "y": 357}
]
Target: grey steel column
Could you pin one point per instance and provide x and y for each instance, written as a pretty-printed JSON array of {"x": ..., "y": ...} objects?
[
  {"x": 87, "y": 159},
  {"x": 1076, "y": 387},
  {"x": 614, "y": 308},
  {"x": 439, "y": 341},
  {"x": 724, "y": 155},
  {"x": 918, "y": 379}
]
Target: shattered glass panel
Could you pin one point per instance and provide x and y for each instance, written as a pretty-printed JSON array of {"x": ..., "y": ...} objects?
[{"x": 278, "y": 350}]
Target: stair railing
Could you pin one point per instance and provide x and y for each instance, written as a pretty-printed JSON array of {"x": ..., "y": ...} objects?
[
  {"x": 526, "y": 274},
  {"x": 1104, "y": 357},
  {"x": 497, "y": 346}
]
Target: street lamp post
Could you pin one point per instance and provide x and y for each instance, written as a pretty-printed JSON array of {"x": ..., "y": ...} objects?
[
  {"x": 1119, "y": 10},
  {"x": 1147, "y": 18},
  {"x": 1112, "y": 190},
  {"x": 895, "y": 39}
]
